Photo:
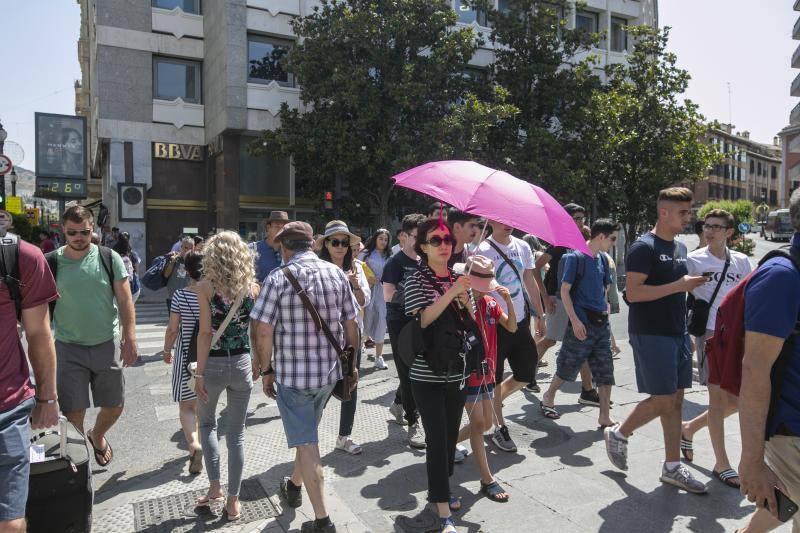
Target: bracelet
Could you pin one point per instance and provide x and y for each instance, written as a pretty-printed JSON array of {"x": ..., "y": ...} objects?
[{"x": 47, "y": 401}]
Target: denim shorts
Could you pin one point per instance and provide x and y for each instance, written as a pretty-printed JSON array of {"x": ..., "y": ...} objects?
[
  {"x": 480, "y": 393},
  {"x": 301, "y": 411},
  {"x": 15, "y": 441},
  {"x": 596, "y": 350},
  {"x": 663, "y": 364}
]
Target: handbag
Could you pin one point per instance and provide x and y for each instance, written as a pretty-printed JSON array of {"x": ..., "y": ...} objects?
[
  {"x": 192, "y": 366},
  {"x": 697, "y": 321},
  {"x": 529, "y": 309},
  {"x": 347, "y": 355}
]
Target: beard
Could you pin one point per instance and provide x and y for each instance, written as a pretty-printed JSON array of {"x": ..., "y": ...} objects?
[{"x": 79, "y": 247}]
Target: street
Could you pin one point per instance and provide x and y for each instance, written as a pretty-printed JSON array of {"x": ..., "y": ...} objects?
[{"x": 559, "y": 480}]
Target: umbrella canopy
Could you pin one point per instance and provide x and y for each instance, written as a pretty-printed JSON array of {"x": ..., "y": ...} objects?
[{"x": 496, "y": 195}]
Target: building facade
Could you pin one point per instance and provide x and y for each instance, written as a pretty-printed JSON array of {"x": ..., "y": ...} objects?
[
  {"x": 174, "y": 91},
  {"x": 750, "y": 170},
  {"x": 790, "y": 135}
]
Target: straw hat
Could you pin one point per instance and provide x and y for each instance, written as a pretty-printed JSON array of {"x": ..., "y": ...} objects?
[
  {"x": 482, "y": 274},
  {"x": 336, "y": 227}
]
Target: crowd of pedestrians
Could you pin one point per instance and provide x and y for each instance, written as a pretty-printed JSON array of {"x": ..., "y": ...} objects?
[{"x": 459, "y": 297}]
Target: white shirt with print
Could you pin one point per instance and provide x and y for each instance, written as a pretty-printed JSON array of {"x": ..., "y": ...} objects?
[
  {"x": 702, "y": 260},
  {"x": 520, "y": 253}
]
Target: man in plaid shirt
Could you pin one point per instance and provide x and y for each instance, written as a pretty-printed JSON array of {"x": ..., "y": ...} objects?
[{"x": 305, "y": 367}]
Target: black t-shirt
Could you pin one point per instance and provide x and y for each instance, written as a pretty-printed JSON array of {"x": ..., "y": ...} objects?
[
  {"x": 663, "y": 262},
  {"x": 551, "y": 284},
  {"x": 458, "y": 257},
  {"x": 396, "y": 271}
]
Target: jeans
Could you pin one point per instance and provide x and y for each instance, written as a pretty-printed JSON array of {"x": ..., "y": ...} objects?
[
  {"x": 404, "y": 393},
  {"x": 234, "y": 375},
  {"x": 440, "y": 407},
  {"x": 348, "y": 413}
]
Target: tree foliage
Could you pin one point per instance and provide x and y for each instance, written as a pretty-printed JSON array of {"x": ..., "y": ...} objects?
[
  {"x": 642, "y": 138},
  {"x": 383, "y": 90}
]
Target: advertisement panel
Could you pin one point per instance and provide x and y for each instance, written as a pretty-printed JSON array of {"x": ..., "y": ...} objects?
[{"x": 61, "y": 146}]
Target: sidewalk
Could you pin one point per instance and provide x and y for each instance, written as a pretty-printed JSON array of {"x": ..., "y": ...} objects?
[{"x": 560, "y": 479}]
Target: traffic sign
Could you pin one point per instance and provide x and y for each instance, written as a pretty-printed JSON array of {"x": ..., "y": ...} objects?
[
  {"x": 14, "y": 204},
  {"x": 744, "y": 228},
  {"x": 5, "y": 165}
]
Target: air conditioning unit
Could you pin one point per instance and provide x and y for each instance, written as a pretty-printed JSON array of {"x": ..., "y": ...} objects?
[{"x": 131, "y": 198}]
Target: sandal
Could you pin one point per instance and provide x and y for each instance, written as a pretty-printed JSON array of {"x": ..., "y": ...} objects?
[
  {"x": 687, "y": 449},
  {"x": 196, "y": 462},
  {"x": 346, "y": 444},
  {"x": 233, "y": 517},
  {"x": 727, "y": 477},
  {"x": 454, "y": 503},
  {"x": 102, "y": 456},
  {"x": 549, "y": 412},
  {"x": 493, "y": 491},
  {"x": 206, "y": 501}
]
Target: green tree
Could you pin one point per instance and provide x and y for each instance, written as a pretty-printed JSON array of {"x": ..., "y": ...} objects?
[
  {"x": 642, "y": 137},
  {"x": 742, "y": 211},
  {"x": 549, "y": 76},
  {"x": 383, "y": 89}
]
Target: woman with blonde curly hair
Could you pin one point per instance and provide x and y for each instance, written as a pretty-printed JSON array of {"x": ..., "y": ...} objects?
[{"x": 225, "y": 294}]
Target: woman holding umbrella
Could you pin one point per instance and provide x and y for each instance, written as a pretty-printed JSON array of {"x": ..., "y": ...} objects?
[{"x": 429, "y": 293}]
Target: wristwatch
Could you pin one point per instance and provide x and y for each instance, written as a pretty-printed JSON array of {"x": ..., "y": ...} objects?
[
  {"x": 46, "y": 400},
  {"x": 267, "y": 372}
]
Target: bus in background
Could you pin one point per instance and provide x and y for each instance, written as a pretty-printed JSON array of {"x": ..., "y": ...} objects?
[{"x": 779, "y": 226}]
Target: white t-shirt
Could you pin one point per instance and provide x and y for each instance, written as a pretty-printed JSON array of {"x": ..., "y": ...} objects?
[
  {"x": 702, "y": 260},
  {"x": 520, "y": 253},
  {"x": 395, "y": 248}
]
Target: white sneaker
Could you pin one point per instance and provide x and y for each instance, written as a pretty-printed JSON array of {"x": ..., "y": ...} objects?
[
  {"x": 346, "y": 444},
  {"x": 380, "y": 364},
  {"x": 682, "y": 478},
  {"x": 416, "y": 436},
  {"x": 461, "y": 453},
  {"x": 396, "y": 410}
]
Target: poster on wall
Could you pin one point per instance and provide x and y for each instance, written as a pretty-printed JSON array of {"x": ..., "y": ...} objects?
[{"x": 61, "y": 146}]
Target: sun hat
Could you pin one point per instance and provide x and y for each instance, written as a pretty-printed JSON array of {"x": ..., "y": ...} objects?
[
  {"x": 482, "y": 274},
  {"x": 335, "y": 227},
  {"x": 275, "y": 216}
]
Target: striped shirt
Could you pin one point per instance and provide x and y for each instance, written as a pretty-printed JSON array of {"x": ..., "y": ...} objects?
[
  {"x": 304, "y": 359},
  {"x": 421, "y": 293},
  {"x": 184, "y": 303}
]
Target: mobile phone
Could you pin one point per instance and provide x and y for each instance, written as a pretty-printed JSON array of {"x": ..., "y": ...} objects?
[
  {"x": 786, "y": 507},
  {"x": 708, "y": 275}
]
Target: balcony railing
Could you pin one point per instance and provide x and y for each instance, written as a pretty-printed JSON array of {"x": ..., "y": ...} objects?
[
  {"x": 796, "y": 30},
  {"x": 796, "y": 58},
  {"x": 795, "y": 86},
  {"x": 794, "y": 117}
]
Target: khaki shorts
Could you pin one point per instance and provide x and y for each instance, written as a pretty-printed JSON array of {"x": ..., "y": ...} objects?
[
  {"x": 98, "y": 367},
  {"x": 783, "y": 456}
]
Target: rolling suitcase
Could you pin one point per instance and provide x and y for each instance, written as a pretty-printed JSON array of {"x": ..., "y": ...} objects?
[{"x": 60, "y": 491}]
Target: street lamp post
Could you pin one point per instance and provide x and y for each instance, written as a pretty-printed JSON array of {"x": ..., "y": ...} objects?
[{"x": 13, "y": 182}]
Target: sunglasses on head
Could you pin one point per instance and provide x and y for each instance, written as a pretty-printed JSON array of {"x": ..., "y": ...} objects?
[
  {"x": 437, "y": 241},
  {"x": 336, "y": 243},
  {"x": 84, "y": 232}
]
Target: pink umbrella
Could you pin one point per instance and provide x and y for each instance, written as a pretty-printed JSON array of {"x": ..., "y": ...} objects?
[{"x": 496, "y": 195}]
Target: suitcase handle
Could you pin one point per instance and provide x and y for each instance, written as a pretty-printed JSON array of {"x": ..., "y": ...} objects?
[{"x": 61, "y": 431}]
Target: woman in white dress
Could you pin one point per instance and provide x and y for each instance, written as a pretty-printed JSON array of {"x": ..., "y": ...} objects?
[{"x": 375, "y": 254}]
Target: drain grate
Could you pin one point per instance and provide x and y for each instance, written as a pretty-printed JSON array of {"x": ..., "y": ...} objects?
[{"x": 176, "y": 513}]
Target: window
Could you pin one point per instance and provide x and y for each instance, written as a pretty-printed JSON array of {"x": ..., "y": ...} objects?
[
  {"x": 264, "y": 58},
  {"x": 468, "y": 14},
  {"x": 263, "y": 175},
  {"x": 773, "y": 197},
  {"x": 727, "y": 172},
  {"x": 739, "y": 173},
  {"x": 188, "y": 6},
  {"x": 502, "y": 6},
  {"x": 759, "y": 168},
  {"x": 752, "y": 167},
  {"x": 586, "y": 21},
  {"x": 773, "y": 173},
  {"x": 176, "y": 78},
  {"x": 727, "y": 193},
  {"x": 619, "y": 37}
]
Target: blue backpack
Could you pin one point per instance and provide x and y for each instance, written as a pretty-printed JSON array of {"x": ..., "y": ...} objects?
[{"x": 154, "y": 279}]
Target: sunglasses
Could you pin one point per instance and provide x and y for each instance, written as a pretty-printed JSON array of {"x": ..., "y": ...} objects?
[
  {"x": 437, "y": 241},
  {"x": 336, "y": 243},
  {"x": 84, "y": 232}
]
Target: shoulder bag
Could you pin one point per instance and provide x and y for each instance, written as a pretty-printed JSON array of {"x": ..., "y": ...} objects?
[
  {"x": 192, "y": 366},
  {"x": 343, "y": 387},
  {"x": 528, "y": 305},
  {"x": 697, "y": 321}
]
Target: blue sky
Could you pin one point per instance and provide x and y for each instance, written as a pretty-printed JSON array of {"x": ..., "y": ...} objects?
[{"x": 745, "y": 42}]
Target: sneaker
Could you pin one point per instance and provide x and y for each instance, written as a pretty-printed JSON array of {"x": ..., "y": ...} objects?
[
  {"x": 589, "y": 397},
  {"x": 533, "y": 387},
  {"x": 616, "y": 448},
  {"x": 380, "y": 364},
  {"x": 396, "y": 410},
  {"x": 292, "y": 495},
  {"x": 346, "y": 444},
  {"x": 461, "y": 453},
  {"x": 416, "y": 436},
  {"x": 543, "y": 363},
  {"x": 502, "y": 439},
  {"x": 682, "y": 478},
  {"x": 312, "y": 527}
]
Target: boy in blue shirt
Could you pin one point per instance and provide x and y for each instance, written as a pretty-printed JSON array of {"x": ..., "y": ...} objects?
[{"x": 583, "y": 291}]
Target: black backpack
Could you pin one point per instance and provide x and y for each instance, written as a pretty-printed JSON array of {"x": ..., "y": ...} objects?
[
  {"x": 9, "y": 269},
  {"x": 105, "y": 260}
]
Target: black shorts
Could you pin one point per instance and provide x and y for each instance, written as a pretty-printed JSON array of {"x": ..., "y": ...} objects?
[{"x": 519, "y": 350}]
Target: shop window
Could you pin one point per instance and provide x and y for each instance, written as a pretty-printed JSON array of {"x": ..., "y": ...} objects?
[{"x": 176, "y": 78}]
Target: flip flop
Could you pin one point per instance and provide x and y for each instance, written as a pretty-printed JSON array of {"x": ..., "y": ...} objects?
[
  {"x": 206, "y": 501},
  {"x": 687, "y": 448},
  {"x": 493, "y": 491},
  {"x": 100, "y": 453},
  {"x": 727, "y": 477},
  {"x": 549, "y": 412}
]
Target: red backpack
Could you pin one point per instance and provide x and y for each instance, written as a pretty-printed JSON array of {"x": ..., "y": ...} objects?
[{"x": 725, "y": 349}]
